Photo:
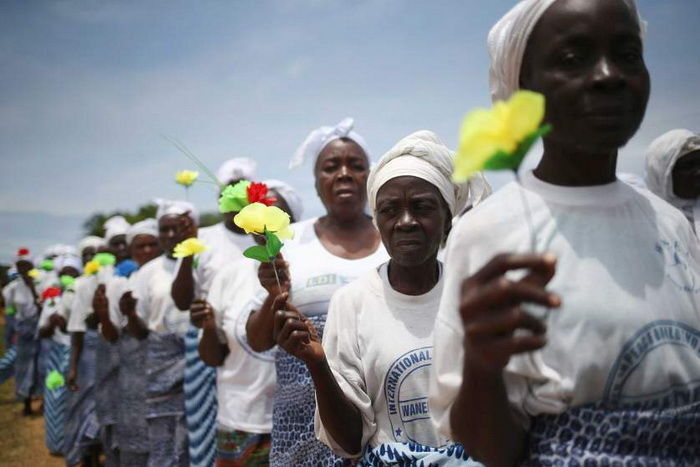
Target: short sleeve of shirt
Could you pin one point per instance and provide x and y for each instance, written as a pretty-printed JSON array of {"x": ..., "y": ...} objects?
[{"x": 341, "y": 347}]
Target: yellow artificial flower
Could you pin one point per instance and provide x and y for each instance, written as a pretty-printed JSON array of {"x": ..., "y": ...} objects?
[
  {"x": 92, "y": 267},
  {"x": 34, "y": 273},
  {"x": 256, "y": 218},
  {"x": 186, "y": 177},
  {"x": 189, "y": 247},
  {"x": 500, "y": 130}
]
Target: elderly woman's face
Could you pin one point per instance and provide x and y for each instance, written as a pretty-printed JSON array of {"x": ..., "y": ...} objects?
[
  {"x": 87, "y": 254},
  {"x": 118, "y": 247},
  {"x": 341, "y": 176},
  {"x": 412, "y": 218},
  {"x": 686, "y": 176},
  {"x": 585, "y": 56}
]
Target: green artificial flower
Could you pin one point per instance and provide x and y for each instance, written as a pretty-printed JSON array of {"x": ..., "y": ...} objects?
[
  {"x": 47, "y": 265},
  {"x": 66, "y": 281},
  {"x": 105, "y": 259},
  {"x": 55, "y": 380},
  {"x": 10, "y": 310},
  {"x": 234, "y": 197}
]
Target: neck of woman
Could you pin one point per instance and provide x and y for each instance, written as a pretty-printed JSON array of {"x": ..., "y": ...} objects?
[
  {"x": 569, "y": 166},
  {"x": 416, "y": 279}
]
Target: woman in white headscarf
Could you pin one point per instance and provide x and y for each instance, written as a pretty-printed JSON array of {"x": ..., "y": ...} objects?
[
  {"x": 152, "y": 315},
  {"x": 21, "y": 294},
  {"x": 327, "y": 252},
  {"x": 582, "y": 354},
  {"x": 371, "y": 372},
  {"x": 673, "y": 172}
]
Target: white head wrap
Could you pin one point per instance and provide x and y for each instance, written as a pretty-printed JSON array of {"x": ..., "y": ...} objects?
[
  {"x": 320, "y": 137},
  {"x": 296, "y": 205},
  {"x": 145, "y": 227},
  {"x": 168, "y": 206},
  {"x": 114, "y": 226},
  {"x": 661, "y": 157},
  {"x": 423, "y": 155},
  {"x": 508, "y": 39},
  {"x": 236, "y": 169},
  {"x": 91, "y": 241},
  {"x": 68, "y": 260}
]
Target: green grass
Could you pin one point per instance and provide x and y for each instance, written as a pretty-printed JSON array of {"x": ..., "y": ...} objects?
[{"x": 21, "y": 438}]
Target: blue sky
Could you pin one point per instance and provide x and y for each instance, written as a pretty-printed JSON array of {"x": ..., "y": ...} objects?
[{"x": 88, "y": 88}]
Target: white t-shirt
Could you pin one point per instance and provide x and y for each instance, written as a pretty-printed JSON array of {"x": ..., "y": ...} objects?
[
  {"x": 378, "y": 343},
  {"x": 225, "y": 247},
  {"x": 19, "y": 295},
  {"x": 151, "y": 287},
  {"x": 81, "y": 305},
  {"x": 316, "y": 273},
  {"x": 246, "y": 381},
  {"x": 50, "y": 307},
  {"x": 115, "y": 288},
  {"x": 628, "y": 273}
]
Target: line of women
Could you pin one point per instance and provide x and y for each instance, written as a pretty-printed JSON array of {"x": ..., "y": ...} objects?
[{"x": 434, "y": 330}]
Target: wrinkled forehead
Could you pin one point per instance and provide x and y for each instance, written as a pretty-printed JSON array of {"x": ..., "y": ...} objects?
[
  {"x": 341, "y": 147},
  {"x": 571, "y": 19}
]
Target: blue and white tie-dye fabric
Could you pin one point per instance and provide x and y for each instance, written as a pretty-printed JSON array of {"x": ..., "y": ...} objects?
[
  {"x": 132, "y": 428},
  {"x": 7, "y": 364},
  {"x": 165, "y": 414},
  {"x": 410, "y": 454},
  {"x": 56, "y": 400},
  {"x": 81, "y": 429},
  {"x": 107, "y": 396},
  {"x": 27, "y": 383},
  {"x": 200, "y": 403},
  {"x": 601, "y": 435}
]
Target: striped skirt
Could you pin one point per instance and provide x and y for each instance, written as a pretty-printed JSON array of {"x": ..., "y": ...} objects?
[
  {"x": 200, "y": 403},
  {"x": 132, "y": 428},
  {"x": 165, "y": 414},
  {"x": 27, "y": 372},
  {"x": 81, "y": 429},
  {"x": 106, "y": 397},
  {"x": 7, "y": 364},
  {"x": 56, "y": 400}
]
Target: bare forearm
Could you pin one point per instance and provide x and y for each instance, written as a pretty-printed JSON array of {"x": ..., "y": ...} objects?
[
  {"x": 109, "y": 330},
  {"x": 260, "y": 326},
  {"x": 76, "y": 344},
  {"x": 136, "y": 327},
  {"x": 211, "y": 350},
  {"x": 340, "y": 417},
  {"x": 482, "y": 420},
  {"x": 182, "y": 289}
]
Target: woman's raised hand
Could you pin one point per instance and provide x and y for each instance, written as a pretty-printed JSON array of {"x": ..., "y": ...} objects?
[
  {"x": 296, "y": 334},
  {"x": 490, "y": 306}
]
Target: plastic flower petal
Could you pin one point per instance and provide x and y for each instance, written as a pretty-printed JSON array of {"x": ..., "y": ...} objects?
[
  {"x": 91, "y": 267},
  {"x": 186, "y": 177},
  {"x": 189, "y": 247},
  {"x": 257, "y": 193},
  {"x": 54, "y": 380},
  {"x": 66, "y": 281},
  {"x": 234, "y": 197},
  {"x": 47, "y": 265},
  {"x": 34, "y": 273},
  {"x": 500, "y": 137},
  {"x": 50, "y": 292},
  {"x": 258, "y": 218},
  {"x": 10, "y": 310},
  {"x": 105, "y": 259}
]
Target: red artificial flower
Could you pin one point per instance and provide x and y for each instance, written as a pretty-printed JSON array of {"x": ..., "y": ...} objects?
[
  {"x": 23, "y": 252},
  {"x": 257, "y": 193},
  {"x": 51, "y": 292}
]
